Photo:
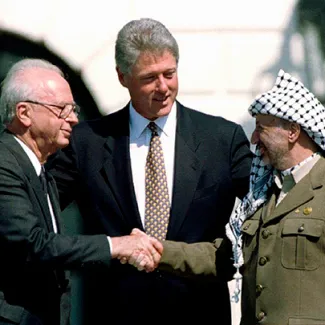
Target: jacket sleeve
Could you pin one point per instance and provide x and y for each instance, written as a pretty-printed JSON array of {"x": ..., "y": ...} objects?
[
  {"x": 197, "y": 260},
  {"x": 23, "y": 235},
  {"x": 241, "y": 160},
  {"x": 62, "y": 166}
]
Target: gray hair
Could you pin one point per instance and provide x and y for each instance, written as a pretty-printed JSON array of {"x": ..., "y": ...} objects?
[
  {"x": 139, "y": 36},
  {"x": 16, "y": 89}
]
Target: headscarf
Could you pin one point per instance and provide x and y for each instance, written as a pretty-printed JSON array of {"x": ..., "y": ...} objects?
[{"x": 290, "y": 100}]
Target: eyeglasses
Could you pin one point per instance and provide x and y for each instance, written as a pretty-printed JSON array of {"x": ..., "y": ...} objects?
[{"x": 65, "y": 109}]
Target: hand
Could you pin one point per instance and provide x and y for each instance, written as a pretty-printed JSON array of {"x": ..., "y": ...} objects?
[
  {"x": 141, "y": 260},
  {"x": 144, "y": 250}
]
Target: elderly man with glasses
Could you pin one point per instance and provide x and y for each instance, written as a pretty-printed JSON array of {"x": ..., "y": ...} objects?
[{"x": 38, "y": 112}]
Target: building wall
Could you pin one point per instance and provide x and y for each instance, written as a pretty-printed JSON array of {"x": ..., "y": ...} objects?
[{"x": 229, "y": 50}]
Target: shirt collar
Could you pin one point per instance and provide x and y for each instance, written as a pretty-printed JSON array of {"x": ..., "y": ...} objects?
[
  {"x": 31, "y": 155},
  {"x": 299, "y": 172},
  {"x": 138, "y": 123}
]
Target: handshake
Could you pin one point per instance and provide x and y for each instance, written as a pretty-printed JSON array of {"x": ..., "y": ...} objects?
[{"x": 138, "y": 249}]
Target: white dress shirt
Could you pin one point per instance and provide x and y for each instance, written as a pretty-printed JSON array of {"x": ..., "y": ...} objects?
[
  {"x": 292, "y": 179},
  {"x": 140, "y": 136},
  {"x": 35, "y": 162}
]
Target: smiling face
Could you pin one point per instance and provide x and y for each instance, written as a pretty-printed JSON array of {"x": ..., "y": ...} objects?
[
  {"x": 272, "y": 138},
  {"x": 152, "y": 84},
  {"x": 46, "y": 132},
  {"x": 54, "y": 131}
]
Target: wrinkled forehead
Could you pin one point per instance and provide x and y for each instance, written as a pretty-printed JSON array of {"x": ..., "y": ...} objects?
[{"x": 266, "y": 119}]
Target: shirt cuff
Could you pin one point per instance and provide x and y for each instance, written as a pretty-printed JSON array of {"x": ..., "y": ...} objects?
[{"x": 110, "y": 244}]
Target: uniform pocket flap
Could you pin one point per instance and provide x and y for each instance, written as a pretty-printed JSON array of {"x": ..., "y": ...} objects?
[
  {"x": 306, "y": 321},
  {"x": 303, "y": 227},
  {"x": 250, "y": 227}
]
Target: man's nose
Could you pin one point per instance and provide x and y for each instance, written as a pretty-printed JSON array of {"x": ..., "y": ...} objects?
[
  {"x": 72, "y": 118},
  {"x": 254, "y": 137},
  {"x": 161, "y": 84}
]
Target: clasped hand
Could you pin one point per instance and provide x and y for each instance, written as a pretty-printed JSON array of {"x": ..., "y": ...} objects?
[{"x": 138, "y": 249}]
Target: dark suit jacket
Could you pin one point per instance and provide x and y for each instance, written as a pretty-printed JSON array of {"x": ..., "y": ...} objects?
[
  {"x": 212, "y": 164},
  {"x": 33, "y": 259}
]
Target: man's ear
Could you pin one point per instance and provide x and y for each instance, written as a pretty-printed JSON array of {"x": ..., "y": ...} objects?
[
  {"x": 23, "y": 113},
  {"x": 294, "y": 132},
  {"x": 121, "y": 77}
]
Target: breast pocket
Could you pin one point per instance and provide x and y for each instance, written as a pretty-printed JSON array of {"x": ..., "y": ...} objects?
[
  {"x": 301, "y": 246},
  {"x": 249, "y": 231}
]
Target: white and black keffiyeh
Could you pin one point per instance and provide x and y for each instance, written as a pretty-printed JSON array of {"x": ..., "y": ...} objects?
[{"x": 290, "y": 100}]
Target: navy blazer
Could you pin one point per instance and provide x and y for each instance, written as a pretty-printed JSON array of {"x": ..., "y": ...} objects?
[{"x": 212, "y": 165}]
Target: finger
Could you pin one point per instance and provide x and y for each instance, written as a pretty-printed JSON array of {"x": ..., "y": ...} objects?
[
  {"x": 140, "y": 258},
  {"x": 149, "y": 266},
  {"x": 141, "y": 261},
  {"x": 145, "y": 262},
  {"x": 132, "y": 259},
  {"x": 156, "y": 258},
  {"x": 149, "y": 245},
  {"x": 157, "y": 245},
  {"x": 123, "y": 260},
  {"x": 136, "y": 231}
]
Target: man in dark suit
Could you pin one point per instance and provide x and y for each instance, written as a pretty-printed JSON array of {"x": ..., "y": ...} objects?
[
  {"x": 38, "y": 112},
  {"x": 108, "y": 167}
]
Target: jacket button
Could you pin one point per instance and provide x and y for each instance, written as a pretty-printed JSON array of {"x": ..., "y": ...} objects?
[
  {"x": 263, "y": 260},
  {"x": 259, "y": 289},
  {"x": 301, "y": 228},
  {"x": 260, "y": 316},
  {"x": 265, "y": 233}
]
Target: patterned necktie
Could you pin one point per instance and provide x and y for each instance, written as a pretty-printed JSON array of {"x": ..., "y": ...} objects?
[{"x": 157, "y": 207}]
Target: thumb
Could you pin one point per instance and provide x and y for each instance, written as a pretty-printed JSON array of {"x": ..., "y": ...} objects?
[{"x": 136, "y": 231}]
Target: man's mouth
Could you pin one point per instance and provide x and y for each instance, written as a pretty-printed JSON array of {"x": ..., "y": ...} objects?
[
  {"x": 66, "y": 131},
  {"x": 161, "y": 99}
]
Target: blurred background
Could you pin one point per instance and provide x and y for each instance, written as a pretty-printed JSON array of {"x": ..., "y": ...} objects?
[{"x": 230, "y": 51}]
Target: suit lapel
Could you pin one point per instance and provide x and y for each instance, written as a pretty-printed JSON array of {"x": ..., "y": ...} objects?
[
  {"x": 269, "y": 206},
  {"x": 29, "y": 170},
  {"x": 301, "y": 192},
  {"x": 187, "y": 169},
  {"x": 117, "y": 169},
  {"x": 54, "y": 197}
]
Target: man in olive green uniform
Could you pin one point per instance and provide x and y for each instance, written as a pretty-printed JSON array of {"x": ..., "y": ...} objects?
[{"x": 278, "y": 230}]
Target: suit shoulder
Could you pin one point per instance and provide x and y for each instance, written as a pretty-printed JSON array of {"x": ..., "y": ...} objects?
[
  {"x": 88, "y": 125},
  {"x": 8, "y": 159},
  {"x": 103, "y": 125},
  {"x": 4, "y": 150},
  {"x": 204, "y": 120}
]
